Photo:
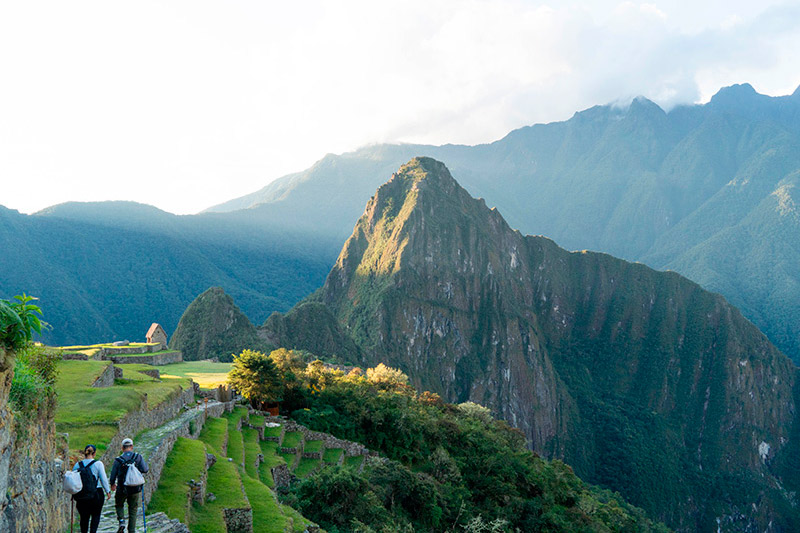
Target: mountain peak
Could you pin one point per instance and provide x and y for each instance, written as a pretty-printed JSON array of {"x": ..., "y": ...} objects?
[{"x": 735, "y": 94}]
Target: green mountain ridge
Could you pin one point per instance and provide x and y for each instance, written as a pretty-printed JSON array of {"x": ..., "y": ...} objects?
[
  {"x": 628, "y": 374},
  {"x": 108, "y": 270},
  {"x": 664, "y": 188}
]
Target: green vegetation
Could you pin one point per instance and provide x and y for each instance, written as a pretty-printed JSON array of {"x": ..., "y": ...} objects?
[
  {"x": 448, "y": 465},
  {"x": 87, "y": 412},
  {"x": 305, "y": 466},
  {"x": 292, "y": 439},
  {"x": 213, "y": 326},
  {"x": 33, "y": 385},
  {"x": 251, "y": 451},
  {"x": 312, "y": 446},
  {"x": 289, "y": 458},
  {"x": 186, "y": 462},
  {"x": 273, "y": 431},
  {"x": 354, "y": 461},
  {"x": 256, "y": 420},
  {"x": 215, "y": 434},
  {"x": 19, "y": 320},
  {"x": 267, "y": 515},
  {"x": 255, "y": 377},
  {"x": 206, "y": 374},
  {"x": 235, "y": 445},
  {"x": 332, "y": 455},
  {"x": 226, "y": 484}
]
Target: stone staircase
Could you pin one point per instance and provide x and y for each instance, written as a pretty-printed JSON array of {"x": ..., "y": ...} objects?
[{"x": 154, "y": 445}]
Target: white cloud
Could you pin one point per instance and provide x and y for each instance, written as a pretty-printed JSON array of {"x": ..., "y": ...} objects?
[{"x": 189, "y": 103}]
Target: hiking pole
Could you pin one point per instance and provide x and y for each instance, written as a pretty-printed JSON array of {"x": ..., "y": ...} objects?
[
  {"x": 144, "y": 516},
  {"x": 71, "y": 510}
]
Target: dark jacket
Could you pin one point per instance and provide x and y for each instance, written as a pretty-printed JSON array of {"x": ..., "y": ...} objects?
[{"x": 119, "y": 470}]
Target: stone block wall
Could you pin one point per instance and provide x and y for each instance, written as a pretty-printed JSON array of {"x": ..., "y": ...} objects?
[
  {"x": 155, "y": 359},
  {"x": 282, "y": 476},
  {"x": 75, "y": 357},
  {"x": 238, "y": 520},
  {"x": 153, "y": 373},
  {"x": 144, "y": 418},
  {"x": 106, "y": 379},
  {"x": 350, "y": 448}
]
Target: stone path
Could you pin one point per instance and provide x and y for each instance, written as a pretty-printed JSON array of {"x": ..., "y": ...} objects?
[{"x": 145, "y": 444}]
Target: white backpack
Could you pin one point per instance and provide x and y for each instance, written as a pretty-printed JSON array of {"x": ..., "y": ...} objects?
[
  {"x": 72, "y": 482},
  {"x": 133, "y": 478}
]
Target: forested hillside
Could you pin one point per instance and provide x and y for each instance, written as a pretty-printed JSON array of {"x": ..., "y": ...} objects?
[{"x": 108, "y": 270}]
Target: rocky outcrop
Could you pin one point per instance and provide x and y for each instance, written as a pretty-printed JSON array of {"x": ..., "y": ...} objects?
[{"x": 628, "y": 374}]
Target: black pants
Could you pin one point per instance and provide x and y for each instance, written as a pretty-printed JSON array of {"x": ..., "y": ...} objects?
[{"x": 90, "y": 510}]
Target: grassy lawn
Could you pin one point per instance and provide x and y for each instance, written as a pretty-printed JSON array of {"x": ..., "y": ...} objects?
[
  {"x": 234, "y": 416},
  {"x": 98, "y": 434},
  {"x": 235, "y": 445},
  {"x": 354, "y": 461},
  {"x": 224, "y": 481},
  {"x": 273, "y": 431},
  {"x": 251, "y": 451},
  {"x": 267, "y": 515},
  {"x": 292, "y": 439},
  {"x": 306, "y": 466},
  {"x": 214, "y": 433},
  {"x": 186, "y": 461},
  {"x": 290, "y": 459},
  {"x": 206, "y": 374},
  {"x": 312, "y": 446},
  {"x": 257, "y": 421},
  {"x": 332, "y": 455}
]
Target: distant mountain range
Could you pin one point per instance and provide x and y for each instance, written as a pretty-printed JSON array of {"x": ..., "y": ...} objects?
[
  {"x": 640, "y": 380},
  {"x": 708, "y": 190},
  {"x": 107, "y": 270}
]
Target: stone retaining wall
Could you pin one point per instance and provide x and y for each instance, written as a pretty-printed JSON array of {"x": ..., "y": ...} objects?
[
  {"x": 74, "y": 357},
  {"x": 106, "y": 379},
  {"x": 155, "y": 359},
  {"x": 350, "y": 448},
  {"x": 153, "y": 373},
  {"x": 144, "y": 418},
  {"x": 282, "y": 476},
  {"x": 238, "y": 520}
]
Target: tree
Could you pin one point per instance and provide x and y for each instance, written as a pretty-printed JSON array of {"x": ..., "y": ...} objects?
[
  {"x": 256, "y": 378},
  {"x": 386, "y": 375}
]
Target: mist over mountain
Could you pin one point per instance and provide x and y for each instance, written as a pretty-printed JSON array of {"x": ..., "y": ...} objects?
[
  {"x": 640, "y": 380},
  {"x": 706, "y": 190}
]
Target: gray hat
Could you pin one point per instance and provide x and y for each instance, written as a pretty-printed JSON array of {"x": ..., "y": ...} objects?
[{"x": 127, "y": 442}]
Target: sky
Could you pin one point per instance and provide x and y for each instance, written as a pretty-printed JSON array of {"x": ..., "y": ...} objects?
[{"x": 186, "y": 104}]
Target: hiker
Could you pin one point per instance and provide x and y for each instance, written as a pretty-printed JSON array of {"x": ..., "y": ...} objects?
[
  {"x": 127, "y": 493},
  {"x": 89, "y": 500}
]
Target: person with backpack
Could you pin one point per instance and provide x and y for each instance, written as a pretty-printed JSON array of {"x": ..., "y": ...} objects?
[
  {"x": 89, "y": 500},
  {"x": 127, "y": 471}
]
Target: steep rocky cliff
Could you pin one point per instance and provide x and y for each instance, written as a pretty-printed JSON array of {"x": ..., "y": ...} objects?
[
  {"x": 31, "y": 465},
  {"x": 213, "y": 326},
  {"x": 641, "y": 380}
]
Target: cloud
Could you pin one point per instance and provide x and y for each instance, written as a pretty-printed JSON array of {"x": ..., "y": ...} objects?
[{"x": 188, "y": 103}]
